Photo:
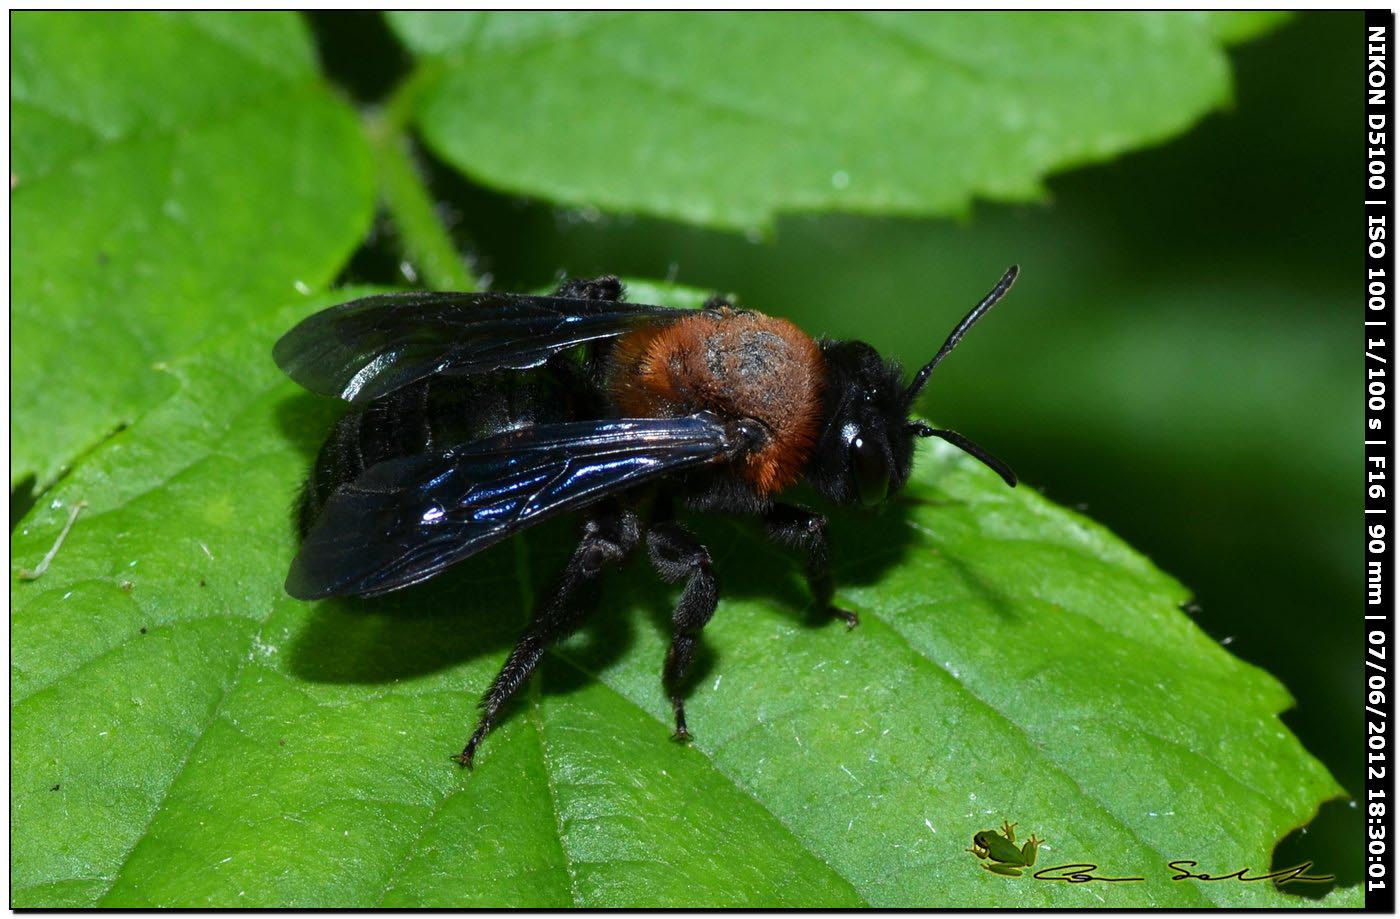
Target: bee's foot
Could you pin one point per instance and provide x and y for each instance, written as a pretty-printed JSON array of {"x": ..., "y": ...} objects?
[
  {"x": 467, "y": 757},
  {"x": 682, "y": 734},
  {"x": 846, "y": 616}
]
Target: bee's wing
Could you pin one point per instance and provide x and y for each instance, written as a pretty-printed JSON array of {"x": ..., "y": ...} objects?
[
  {"x": 364, "y": 349},
  {"x": 404, "y": 520}
]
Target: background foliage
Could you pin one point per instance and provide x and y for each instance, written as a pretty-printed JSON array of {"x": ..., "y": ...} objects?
[{"x": 184, "y": 187}]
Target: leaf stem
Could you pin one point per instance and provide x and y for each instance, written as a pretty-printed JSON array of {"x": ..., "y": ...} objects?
[{"x": 423, "y": 239}]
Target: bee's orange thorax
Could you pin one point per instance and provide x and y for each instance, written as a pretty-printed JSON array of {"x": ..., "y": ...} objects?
[{"x": 737, "y": 365}]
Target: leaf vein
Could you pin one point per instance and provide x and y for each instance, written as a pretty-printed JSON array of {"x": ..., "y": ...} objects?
[
  {"x": 522, "y": 564},
  {"x": 734, "y": 781},
  {"x": 20, "y": 699},
  {"x": 180, "y": 768}
]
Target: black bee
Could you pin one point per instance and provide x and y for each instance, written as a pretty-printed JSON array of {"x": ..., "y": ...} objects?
[{"x": 476, "y": 416}]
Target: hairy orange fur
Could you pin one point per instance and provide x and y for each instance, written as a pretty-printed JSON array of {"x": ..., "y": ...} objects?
[{"x": 738, "y": 365}]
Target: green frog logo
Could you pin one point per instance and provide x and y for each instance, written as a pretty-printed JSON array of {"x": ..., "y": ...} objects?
[{"x": 1000, "y": 852}]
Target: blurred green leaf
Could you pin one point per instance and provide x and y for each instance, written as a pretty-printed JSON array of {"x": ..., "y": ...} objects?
[
  {"x": 726, "y": 119},
  {"x": 184, "y": 734},
  {"x": 171, "y": 175},
  {"x": 1235, "y": 26}
]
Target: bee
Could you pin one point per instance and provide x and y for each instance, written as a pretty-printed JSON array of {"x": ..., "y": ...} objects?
[{"x": 477, "y": 415}]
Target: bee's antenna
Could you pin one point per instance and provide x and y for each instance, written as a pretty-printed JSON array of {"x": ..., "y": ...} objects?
[
  {"x": 978, "y": 311},
  {"x": 976, "y": 451}
]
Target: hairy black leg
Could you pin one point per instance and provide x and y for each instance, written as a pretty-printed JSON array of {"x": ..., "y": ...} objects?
[
  {"x": 676, "y": 554},
  {"x": 607, "y": 539},
  {"x": 607, "y": 287},
  {"x": 802, "y": 529}
]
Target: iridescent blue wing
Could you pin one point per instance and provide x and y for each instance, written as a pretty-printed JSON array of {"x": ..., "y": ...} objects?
[
  {"x": 364, "y": 349},
  {"x": 404, "y": 520}
]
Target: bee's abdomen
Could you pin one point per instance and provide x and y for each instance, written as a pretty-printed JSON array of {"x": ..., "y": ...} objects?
[
  {"x": 738, "y": 365},
  {"x": 435, "y": 413}
]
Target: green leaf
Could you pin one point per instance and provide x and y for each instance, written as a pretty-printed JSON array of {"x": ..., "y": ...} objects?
[
  {"x": 171, "y": 175},
  {"x": 727, "y": 119},
  {"x": 184, "y": 734}
]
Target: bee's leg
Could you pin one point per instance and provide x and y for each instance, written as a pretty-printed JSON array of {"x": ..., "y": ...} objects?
[
  {"x": 676, "y": 554},
  {"x": 607, "y": 287},
  {"x": 607, "y": 539},
  {"x": 802, "y": 529}
]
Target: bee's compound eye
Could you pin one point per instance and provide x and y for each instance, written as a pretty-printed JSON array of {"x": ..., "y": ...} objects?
[{"x": 871, "y": 471}]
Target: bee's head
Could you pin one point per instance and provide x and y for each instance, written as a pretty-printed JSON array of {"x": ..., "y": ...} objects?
[{"x": 866, "y": 446}]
